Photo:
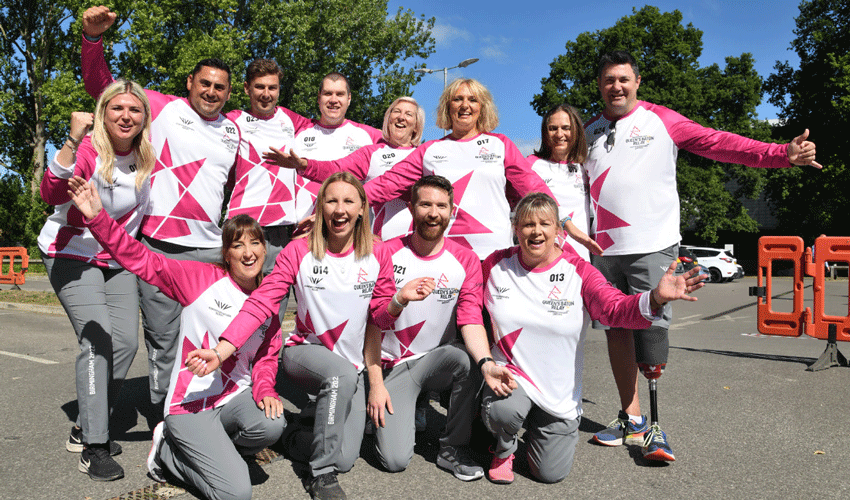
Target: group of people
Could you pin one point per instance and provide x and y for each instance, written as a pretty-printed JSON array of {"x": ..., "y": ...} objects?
[{"x": 409, "y": 279}]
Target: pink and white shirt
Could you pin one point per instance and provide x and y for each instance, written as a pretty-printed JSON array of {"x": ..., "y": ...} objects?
[
  {"x": 479, "y": 168},
  {"x": 64, "y": 233},
  {"x": 425, "y": 325},
  {"x": 540, "y": 318},
  {"x": 319, "y": 142},
  {"x": 263, "y": 190},
  {"x": 390, "y": 219},
  {"x": 194, "y": 159},
  {"x": 569, "y": 184},
  {"x": 336, "y": 296},
  {"x": 210, "y": 300},
  {"x": 633, "y": 183}
]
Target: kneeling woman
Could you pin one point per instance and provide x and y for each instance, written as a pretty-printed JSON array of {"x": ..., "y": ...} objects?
[
  {"x": 210, "y": 421},
  {"x": 335, "y": 274},
  {"x": 541, "y": 300}
]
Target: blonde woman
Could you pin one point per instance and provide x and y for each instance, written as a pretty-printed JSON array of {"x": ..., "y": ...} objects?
[{"x": 100, "y": 297}]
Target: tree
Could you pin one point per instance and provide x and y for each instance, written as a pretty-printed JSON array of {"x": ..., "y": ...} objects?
[
  {"x": 668, "y": 53},
  {"x": 158, "y": 44},
  {"x": 815, "y": 96}
]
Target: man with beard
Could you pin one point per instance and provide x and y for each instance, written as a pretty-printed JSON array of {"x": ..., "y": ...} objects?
[{"x": 420, "y": 353}]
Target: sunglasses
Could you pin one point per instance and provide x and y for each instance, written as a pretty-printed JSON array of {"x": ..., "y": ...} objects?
[{"x": 611, "y": 129}]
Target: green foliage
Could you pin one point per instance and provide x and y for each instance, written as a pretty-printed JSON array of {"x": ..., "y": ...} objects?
[
  {"x": 815, "y": 96},
  {"x": 667, "y": 53}
]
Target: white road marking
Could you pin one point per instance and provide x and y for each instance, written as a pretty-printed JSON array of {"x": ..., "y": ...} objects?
[{"x": 29, "y": 358}]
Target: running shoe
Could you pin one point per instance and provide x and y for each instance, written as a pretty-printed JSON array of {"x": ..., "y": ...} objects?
[
  {"x": 501, "y": 470},
  {"x": 655, "y": 445},
  {"x": 455, "y": 460},
  {"x": 622, "y": 431},
  {"x": 326, "y": 487},
  {"x": 75, "y": 443},
  {"x": 154, "y": 465},
  {"x": 96, "y": 462}
]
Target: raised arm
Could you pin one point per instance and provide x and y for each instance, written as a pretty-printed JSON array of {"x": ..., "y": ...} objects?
[{"x": 96, "y": 74}]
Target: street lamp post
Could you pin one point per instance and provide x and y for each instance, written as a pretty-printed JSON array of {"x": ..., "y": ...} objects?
[{"x": 462, "y": 64}]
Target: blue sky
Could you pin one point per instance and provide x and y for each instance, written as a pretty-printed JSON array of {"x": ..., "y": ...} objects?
[{"x": 516, "y": 41}]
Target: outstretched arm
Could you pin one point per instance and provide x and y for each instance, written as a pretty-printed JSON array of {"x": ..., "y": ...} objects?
[
  {"x": 672, "y": 287},
  {"x": 802, "y": 152}
]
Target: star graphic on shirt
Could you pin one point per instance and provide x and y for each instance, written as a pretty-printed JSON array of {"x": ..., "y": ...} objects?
[
  {"x": 605, "y": 220},
  {"x": 462, "y": 222},
  {"x": 330, "y": 337},
  {"x": 312, "y": 188},
  {"x": 184, "y": 378},
  {"x": 506, "y": 346},
  {"x": 187, "y": 207},
  {"x": 272, "y": 210},
  {"x": 406, "y": 336}
]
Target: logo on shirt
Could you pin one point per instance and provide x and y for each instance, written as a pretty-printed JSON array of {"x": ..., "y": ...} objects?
[
  {"x": 637, "y": 141},
  {"x": 315, "y": 280},
  {"x": 286, "y": 129},
  {"x": 439, "y": 159},
  {"x": 486, "y": 156},
  {"x": 185, "y": 123},
  {"x": 350, "y": 145},
  {"x": 221, "y": 308},
  {"x": 501, "y": 292},
  {"x": 364, "y": 286},
  {"x": 557, "y": 305}
]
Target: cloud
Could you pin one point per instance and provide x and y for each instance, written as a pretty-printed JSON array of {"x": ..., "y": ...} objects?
[
  {"x": 445, "y": 34},
  {"x": 526, "y": 145},
  {"x": 495, "y": 49}
]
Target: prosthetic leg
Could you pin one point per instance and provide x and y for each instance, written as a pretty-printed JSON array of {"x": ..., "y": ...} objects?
[{"x": 651, "y": 348}]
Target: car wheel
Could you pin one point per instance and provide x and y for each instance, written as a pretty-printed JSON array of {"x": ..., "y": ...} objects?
[{"x": 716, "y": 277}]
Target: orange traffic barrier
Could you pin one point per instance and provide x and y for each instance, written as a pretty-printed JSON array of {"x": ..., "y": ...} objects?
[
  {"x": 8, "y": 276},
  {"x": 811, "y": 321}
]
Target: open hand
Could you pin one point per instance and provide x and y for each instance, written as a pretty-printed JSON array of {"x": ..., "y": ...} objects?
[{"x": 802, "y": 152}]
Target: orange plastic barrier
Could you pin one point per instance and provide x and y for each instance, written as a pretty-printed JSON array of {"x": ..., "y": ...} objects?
[
  {"x": 832, "y": 249},
  {"x": 770, "y": 322},
  {"x": 8, "y": 276}
]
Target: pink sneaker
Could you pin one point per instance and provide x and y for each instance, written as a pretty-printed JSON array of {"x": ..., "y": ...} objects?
[{"x": 501, "y": 470}]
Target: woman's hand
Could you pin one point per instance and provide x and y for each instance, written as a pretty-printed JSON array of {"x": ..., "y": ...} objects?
[
  {"x": 97, "y": 19},
  {"x": 304, "y": 227},
  {"x": 85, "y": 197},
  {"x": 202, "y": 362},
  {"x": 580, "y": 236},
  {"x": 498, "y": 378},
  {"x": 285, "y": 160},
  {"x": 379, "y": 399},
  {"x": 272, "y": 406},
  {"x": 81, "y": 122},
  {"x": 416, "y": 289},
  {"x": 672, "y": 287}
]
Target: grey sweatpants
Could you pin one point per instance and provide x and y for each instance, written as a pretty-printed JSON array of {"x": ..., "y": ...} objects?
[
  {"x": 446, "y": 367},
  {"x": 340, "y": 404},
  {"x": 161, "y": 317},
  {"x": 205, "y": 449},
  {"x": 550, "y": 441},
  {"x": 103, "y": 306}
]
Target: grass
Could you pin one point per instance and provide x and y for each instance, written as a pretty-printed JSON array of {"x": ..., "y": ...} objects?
[{"x": 30, "y": 297}]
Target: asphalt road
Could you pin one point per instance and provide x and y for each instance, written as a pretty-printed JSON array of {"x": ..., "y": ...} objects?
[{"x": 743, "y": 417}]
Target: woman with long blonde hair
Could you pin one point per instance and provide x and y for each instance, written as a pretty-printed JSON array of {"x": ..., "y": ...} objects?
[{"x": 100, "y": 297}]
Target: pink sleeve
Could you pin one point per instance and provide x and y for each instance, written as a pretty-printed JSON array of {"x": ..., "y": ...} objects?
[
  {"x": 95, "y": 71},
  {"x": 718, "y": 145},
  {"x": 604, "y": 302},
  {"x": 471, "y": 297},
  {"x": 518, "y": 172},
  {"x": 395, "y": 181},
  {"x": 54, "y": 185},
  {"x": 264, "y": 372},
  {"x": 183, "y": 281},
  {"x": 265, "y": 300},
  {"x": 299, "y": 122},
  {"x": 384, "y": 289},
  {"x": 356, "y": 163}
]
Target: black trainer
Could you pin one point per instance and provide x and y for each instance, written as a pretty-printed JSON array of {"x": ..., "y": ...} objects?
[
  {"x": 326, "y": 487},
  {"x": 75, "y": 443},
  {"x": 96, "y": 462}
]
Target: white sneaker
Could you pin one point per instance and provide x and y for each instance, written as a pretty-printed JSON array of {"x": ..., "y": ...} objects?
[{"x": 154, "y": 465}]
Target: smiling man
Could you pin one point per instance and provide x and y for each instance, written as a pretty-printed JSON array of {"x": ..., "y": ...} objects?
[
  {"x": 331, "y": 137},
  {"x": 196, "y": 148},
  {"x": 420, "y": 353},
  {"x": 263, "y": 190},
  {"x": 634, "y": 144}
]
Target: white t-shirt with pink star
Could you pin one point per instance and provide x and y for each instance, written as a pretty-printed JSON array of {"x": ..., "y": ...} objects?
[
  {"x": 540, "y": 318},
  {"x": 319, "y": 142},
  {"x": 569, "y": 184},
  {"x": 633, "y": 182},
  {"x": 480, "y": 169},
  {"x": 391, "y": 219},
  {"x": 210, "y": 300},
  {"x": 194, "y": 159},
  {"x": 427, "y": 324},
  {"x": 263, "y": 190},
  {"x": 336, "y": 297}
]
